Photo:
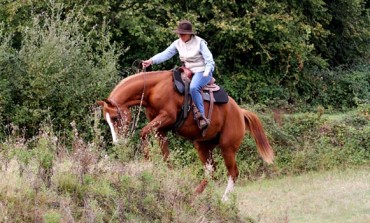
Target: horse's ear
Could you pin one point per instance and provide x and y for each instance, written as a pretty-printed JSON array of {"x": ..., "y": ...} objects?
[{"x": 100, "y": 103}]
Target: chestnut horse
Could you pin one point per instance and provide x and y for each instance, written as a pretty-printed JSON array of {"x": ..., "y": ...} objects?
[{"x": 155, "y": 91}]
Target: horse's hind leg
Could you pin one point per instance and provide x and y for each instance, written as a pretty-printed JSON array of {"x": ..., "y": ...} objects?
[
  {"x": 232, "y": 168},
  {"x": 230, "y": 140},
  {"x": 204, "y": 150}
]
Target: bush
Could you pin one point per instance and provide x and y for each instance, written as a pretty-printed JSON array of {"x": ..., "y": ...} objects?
[
  {"x": 342, "y": 88},
  {"x": 57, "y": 71}
]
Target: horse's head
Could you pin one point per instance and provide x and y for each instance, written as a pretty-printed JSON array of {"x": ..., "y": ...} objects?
[{"x": 118, "y": 118}]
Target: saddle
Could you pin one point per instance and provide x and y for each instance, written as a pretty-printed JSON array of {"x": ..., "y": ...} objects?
[
  {"x": 211, "y": 92},
  {"x": 182, "y": 77}
]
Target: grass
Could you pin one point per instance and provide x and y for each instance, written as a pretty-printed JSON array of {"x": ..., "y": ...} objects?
[
  {"x": 333, "y": 196},
  {"x": 44, "y": 180},
  {"x": 138, "y": 191}
]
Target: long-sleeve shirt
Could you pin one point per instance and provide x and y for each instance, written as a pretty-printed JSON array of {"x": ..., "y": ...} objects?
[{"x": 194, "y": 53}]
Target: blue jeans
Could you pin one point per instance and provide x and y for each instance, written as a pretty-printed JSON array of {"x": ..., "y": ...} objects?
[{"x": 196, "y": 85}]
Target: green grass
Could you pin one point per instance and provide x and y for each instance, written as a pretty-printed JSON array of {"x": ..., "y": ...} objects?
[
  {"x": 333, "y": 196},
  {"x": 315, "y": 177},
  {"x": 138, "y": 191}
]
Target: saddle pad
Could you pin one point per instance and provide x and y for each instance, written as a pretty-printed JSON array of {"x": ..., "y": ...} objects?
[{"x": 220, "y": 96}]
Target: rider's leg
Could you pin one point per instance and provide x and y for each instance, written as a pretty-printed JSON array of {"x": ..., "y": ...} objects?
[{"x": 196, "y": 85}]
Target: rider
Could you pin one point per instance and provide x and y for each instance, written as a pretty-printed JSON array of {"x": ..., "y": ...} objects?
[{"x": 196, "y": 56}]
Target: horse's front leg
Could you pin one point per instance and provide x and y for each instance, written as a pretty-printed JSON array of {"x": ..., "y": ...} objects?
[
  {"x": 155, "y": 126},
  {"x": 163, "y": 143},
  {"x": 205, "y": 150}
]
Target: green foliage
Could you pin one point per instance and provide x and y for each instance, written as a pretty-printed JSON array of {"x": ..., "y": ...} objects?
[
  {"x": 340, "y": 88},
  {"x": 19, "y": 201},
  {"x": 7, "y": 55},
  {"x": 68, "y": 184},
  {"x": 52, "y": 217},
  {"x": 119, "y": 190},
  {"x": 56, "y": 72},
  {"x": 127, "y": 150},
  {"x": 310, "y": 141},
  {"x": 57, "y": 58},
  {"x": 44, "y": 149},
  {"x": 350, "y": 26},
  {"x": 182, "y": 152},
  {"x": 321, "y": 143},
  {"x": 109, "y": 191}
]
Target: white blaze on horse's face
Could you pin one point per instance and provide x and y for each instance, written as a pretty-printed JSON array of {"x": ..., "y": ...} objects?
[
  {"x": 109, "y": 120},
  {"x": 118, "y": 122}
]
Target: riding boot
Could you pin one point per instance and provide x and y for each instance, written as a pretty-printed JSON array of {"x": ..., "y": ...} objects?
[{"x": 203, "y": 122}]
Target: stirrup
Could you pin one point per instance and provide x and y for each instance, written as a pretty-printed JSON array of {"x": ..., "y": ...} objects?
[{"x": 203, "y": 123}]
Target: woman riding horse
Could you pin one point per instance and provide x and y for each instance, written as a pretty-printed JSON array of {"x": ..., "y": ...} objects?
[
  {"x": 162, "y": 104},
  {"x": 195, "y": 55}
]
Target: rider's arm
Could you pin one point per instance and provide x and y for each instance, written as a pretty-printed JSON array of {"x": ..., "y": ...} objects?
[
  {"x": 208, "y": 58},
  {"x": 165, "y": 55}
]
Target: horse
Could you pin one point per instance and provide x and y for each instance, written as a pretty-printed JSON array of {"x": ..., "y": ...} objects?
[{"x": 155, "y": 92}]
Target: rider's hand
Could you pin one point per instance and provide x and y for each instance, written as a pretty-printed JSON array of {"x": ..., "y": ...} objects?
[
  {"x": 205, "y": 74},
  {"x": 147, "y": 63}
]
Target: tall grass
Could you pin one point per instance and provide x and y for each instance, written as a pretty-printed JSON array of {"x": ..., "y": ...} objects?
[
  {"x": 43, "y": 181},
  {"x": 47, "y": 178}
]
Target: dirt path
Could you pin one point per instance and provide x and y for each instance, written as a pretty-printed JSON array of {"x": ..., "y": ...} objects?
[{"x": 335, "y": 196}]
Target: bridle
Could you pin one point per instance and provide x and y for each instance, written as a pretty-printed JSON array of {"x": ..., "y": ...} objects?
[{"x": 119, "y": 111}]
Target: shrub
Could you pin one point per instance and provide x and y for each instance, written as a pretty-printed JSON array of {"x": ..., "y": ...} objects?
[
  {"x": 340, "y": 88},
  {"x": 57, "y": 71}
]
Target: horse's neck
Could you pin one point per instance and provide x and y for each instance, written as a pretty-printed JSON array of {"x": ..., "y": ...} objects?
[{"x": 130, "y": 90}]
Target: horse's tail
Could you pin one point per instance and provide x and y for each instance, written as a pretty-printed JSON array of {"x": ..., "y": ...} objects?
[{"x": 254, "y": 125}]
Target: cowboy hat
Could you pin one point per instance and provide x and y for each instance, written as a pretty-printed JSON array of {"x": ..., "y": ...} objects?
[{"x": 184, "y": 27}]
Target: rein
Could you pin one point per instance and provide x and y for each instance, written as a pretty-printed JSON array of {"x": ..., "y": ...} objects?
[{"x": 136, "y": 119}]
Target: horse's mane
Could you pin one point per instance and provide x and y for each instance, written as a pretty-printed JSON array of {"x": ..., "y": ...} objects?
[{"x": 140, "y": 76}]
